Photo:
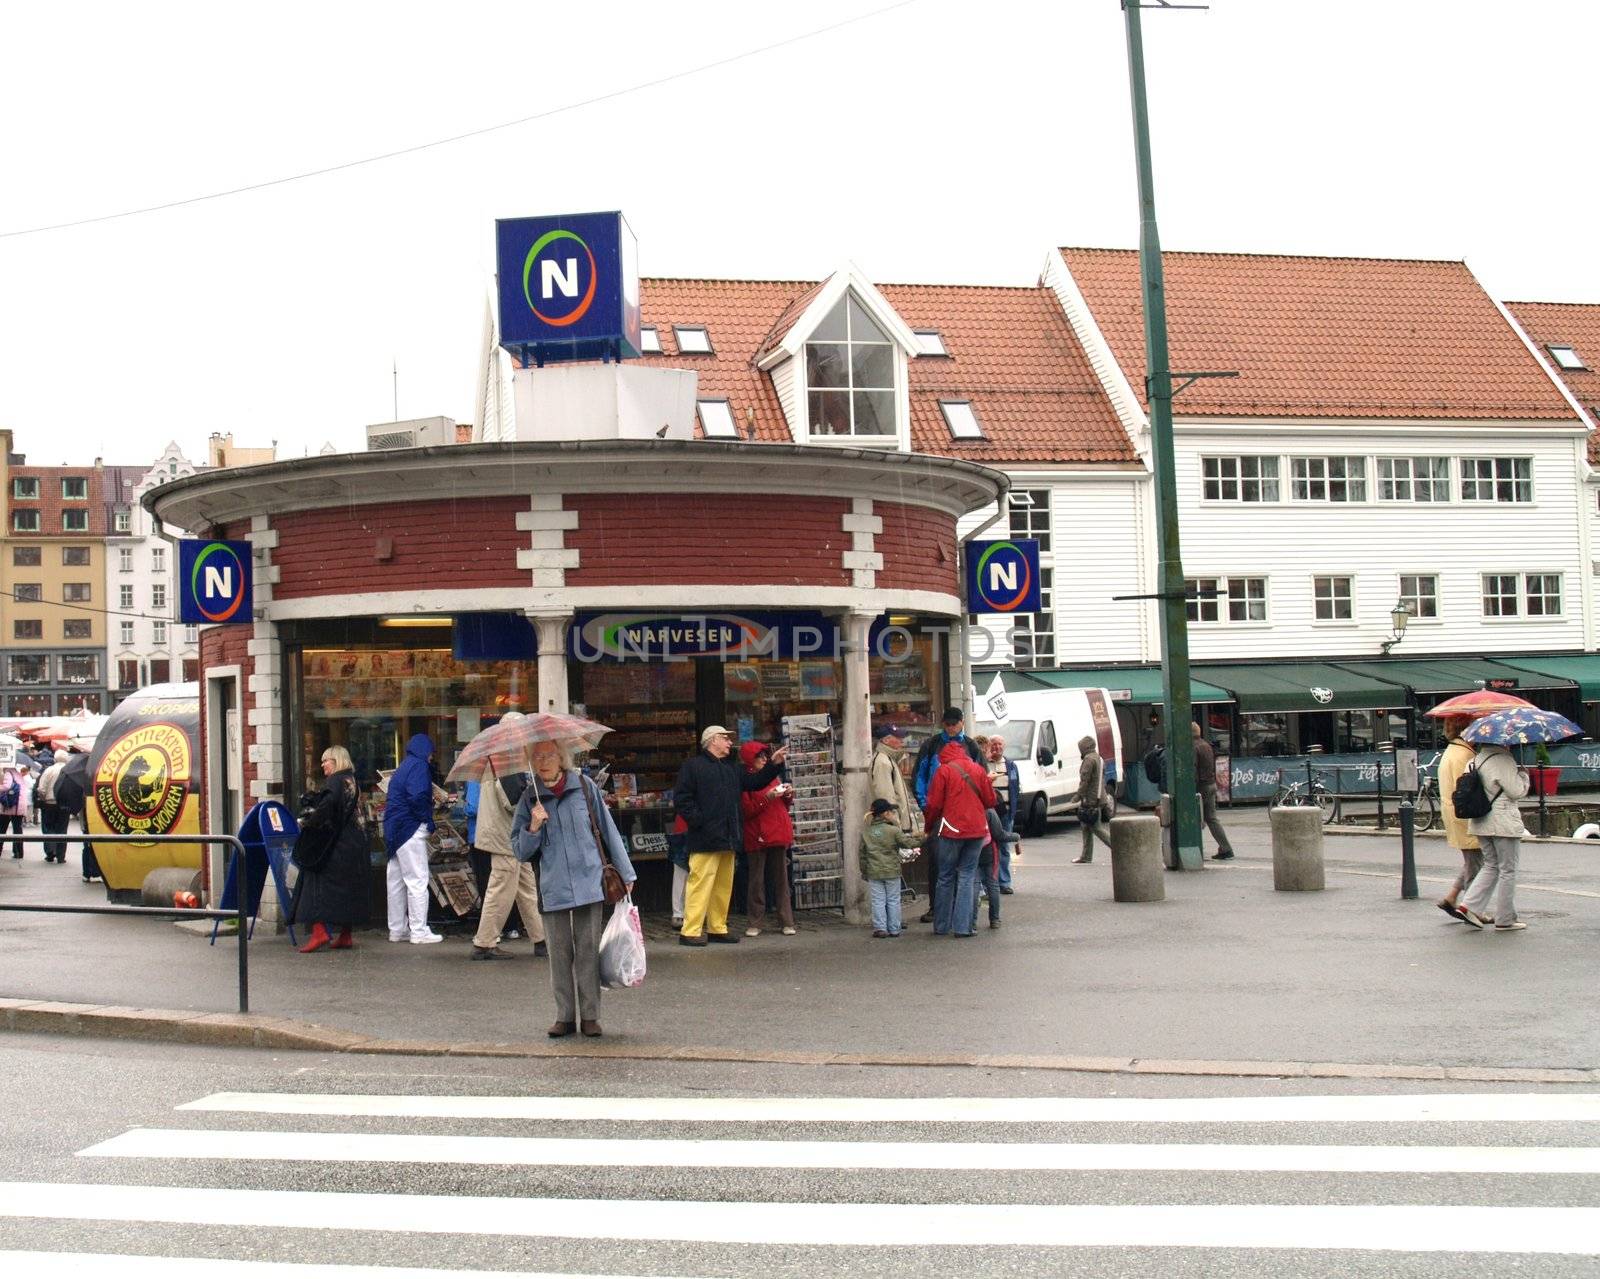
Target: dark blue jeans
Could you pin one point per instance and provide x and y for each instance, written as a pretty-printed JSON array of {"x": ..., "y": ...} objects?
[
  {"x": 956, "y": 894},
  {"x": 989, "y": 877}
]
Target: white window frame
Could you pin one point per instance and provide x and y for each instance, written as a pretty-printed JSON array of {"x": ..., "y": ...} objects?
[
  {"x": 930, "y": 342},
  {"x": 649, "y": 340},
  {"x": 158, "y": 633},
  {"x": 716, "y": 419},
  {"x": 1416, "y": 597},
  {"x": 125, "y": 595},
  {"x": 1309, "y": 472},
  {"x": 191, "y": 634},
  {"x": 158, "y": 559},
  {"x": 961, "y": 419},
  {"x": 1237, "y": 596},
  {"x": 1332, "y": 598},
  {"x": 1500, "y": 594},
  {"x": 699, "y": 337},
  {"x": 122, "y": 521},
  {"x": 1468, "y": 475},
  {"x": 1033, "y": 635},
  {"x": 1544, "y": 595},
  {"x": 1566, "y": 357},
  {"x": 158, "y": 595},
  {"x": 1404, "y": 484},
  {"x": 900, "y": 437},
  {"x": 124, "y": 559},
  {"x": 1231, "y": 471},
  {"x": 1032, "y": 519},
  {"x": 125, "y": 634}
]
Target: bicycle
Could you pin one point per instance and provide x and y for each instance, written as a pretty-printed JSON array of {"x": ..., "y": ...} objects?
[
  {"x": 1295, "y": 795},
  {"x": 1427, "y": 798}
]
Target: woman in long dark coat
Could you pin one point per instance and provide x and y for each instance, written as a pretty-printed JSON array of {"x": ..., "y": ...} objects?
[{"x": 332, "y": 892}]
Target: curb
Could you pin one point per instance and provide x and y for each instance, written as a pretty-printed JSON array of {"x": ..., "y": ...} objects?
[{"x": 251, "y": 1030}]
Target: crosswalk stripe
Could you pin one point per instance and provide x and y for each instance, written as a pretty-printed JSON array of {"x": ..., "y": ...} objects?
[
  {"x": 1390, "y": 1228},
  {"x": 1471, "y": 1108},
  {"x": 86, "y": 1265},
  {"x": 420, "y": 1148}
]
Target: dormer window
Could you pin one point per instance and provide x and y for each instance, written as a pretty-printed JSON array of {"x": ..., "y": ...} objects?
[
  {"x": 649, "y": 340},
  {"x": 692, "y": 339},
  {"x": 850, "y": 375}
]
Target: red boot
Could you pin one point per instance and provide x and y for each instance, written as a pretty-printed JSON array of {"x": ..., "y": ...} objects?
[
  {"x": 318, "y": 939},
  {"x": 344, "y": 941}
]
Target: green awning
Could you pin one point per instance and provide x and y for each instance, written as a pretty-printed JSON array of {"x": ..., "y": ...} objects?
[
  {"x": 1583, "y": 669},
  {"x": 1139, "y": 684},
  {"x": 1447, "y": 676},
  {"x": 1303, "y": 686},
  {"x": 1012, "y": 681}
]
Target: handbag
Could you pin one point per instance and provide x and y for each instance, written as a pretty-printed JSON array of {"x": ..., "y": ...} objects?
[
  {"x": 313, "y": 846},
  {"x": 611, "y": 886}
]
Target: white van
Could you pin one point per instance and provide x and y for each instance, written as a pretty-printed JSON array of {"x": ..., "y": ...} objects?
[{"x": 1041, "y": 729}]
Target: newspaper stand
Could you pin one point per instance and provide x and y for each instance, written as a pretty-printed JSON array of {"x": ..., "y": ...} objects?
[
  {"x": 817, "y": 856},
  {"x": 268, "y": 833},
  {"x": 449, "y": 870}
]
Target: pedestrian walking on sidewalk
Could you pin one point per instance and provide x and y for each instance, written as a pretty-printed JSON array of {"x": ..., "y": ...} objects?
[
  {"x": 559, "y": 826},
  {"x": 768, "y": 834},
  {"x": 511, "y": 882},
  {"x": 331, "y": 852},
  {"x": 1091, "y": 795},
  {"x": 52, "y": 817},
  {"x": 407, "y": 823},
  {"x": 16, "y": 793},
  {"x": 883, "y": 844},
  {"x": 1493, "y": 891},
  {"x": 1007, "y": 788},
  {"x": 710, "y": 786},
  {"x": 1457, "y": 756},
  {"x": 955, "y": 812},
  {"x": 1205, "y": 780}
]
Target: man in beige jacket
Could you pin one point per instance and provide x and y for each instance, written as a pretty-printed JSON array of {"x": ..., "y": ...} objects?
[
  {"x": 1457, "y": 755},
  {"x": 509, "y": 880}
]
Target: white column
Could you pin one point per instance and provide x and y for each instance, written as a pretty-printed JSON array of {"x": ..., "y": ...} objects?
[
  {"x": 552, "y": 632},
  {"x": 855, "y": 752}
]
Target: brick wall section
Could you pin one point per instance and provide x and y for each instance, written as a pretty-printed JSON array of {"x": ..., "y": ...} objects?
[
  {"x": 910, "y": 542},
  {"x": 437, "y": 545},
  {"x": 734, "y": 540}
]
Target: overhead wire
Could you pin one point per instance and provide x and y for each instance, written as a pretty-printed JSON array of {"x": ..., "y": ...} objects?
[{"x": 548, "y": 113}]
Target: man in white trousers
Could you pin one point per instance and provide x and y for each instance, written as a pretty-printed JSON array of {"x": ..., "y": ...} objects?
[
  {"x": 407, "y": 823},
  {"x": 510, "y": 881}
]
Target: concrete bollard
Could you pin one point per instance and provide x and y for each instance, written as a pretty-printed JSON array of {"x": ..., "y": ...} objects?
[
  {"x": 161, "y": 883},
  {"x": 1136, "y": 859},
  {"x": 1297, "y": 849}
]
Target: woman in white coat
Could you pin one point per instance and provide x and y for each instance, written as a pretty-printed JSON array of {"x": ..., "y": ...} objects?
[{"x": 1492, "y": 894}]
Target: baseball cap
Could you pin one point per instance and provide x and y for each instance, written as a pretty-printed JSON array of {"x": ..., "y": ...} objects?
[
  {"x": 881, "y": 806},
  {"x": 715, "y": 730},
  {"x": 887, "y": 730}
]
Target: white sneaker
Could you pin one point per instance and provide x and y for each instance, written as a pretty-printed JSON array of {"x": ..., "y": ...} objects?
[
  {"x": 398, "y": 937},
  {"x": 426, "y": 939}
]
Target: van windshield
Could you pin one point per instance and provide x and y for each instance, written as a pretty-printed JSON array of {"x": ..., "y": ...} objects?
[{"x": 1017, "y": 734}]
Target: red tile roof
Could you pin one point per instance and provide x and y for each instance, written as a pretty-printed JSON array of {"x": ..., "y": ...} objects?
[
  {"x": 1574, "y": 324},
  {"x": 1323, "y": 337},
  {"x": 1011, "y": 352}
]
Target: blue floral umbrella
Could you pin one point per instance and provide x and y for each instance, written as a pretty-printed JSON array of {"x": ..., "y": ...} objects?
[{"x": 1520, "y": 727}]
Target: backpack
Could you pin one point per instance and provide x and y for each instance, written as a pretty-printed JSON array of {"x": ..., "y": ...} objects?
[
  {"x": 1471, "y": 798},
  {"x": 1155, "y": 764},
  {"x": 11, "y": 794}
]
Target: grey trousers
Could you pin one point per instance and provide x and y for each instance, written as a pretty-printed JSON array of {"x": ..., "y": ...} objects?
[
  {"x": 573, "y": 937},
  {"x": 1471, "y": 864},
  {"x": 1091, "y": 832},
  {"x": 1494, "y": 888},
  {"x": 1208, "y": 813}
]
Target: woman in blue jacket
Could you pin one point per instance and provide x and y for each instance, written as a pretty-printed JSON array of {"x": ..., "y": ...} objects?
[{"x": 555, "y": 827}]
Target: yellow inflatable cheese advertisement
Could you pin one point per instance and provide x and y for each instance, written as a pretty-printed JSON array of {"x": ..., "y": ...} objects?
[{"x": 145, "y": 780}]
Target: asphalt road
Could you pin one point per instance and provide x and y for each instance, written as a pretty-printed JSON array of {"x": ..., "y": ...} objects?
[{"x": 506, "y": 1206}]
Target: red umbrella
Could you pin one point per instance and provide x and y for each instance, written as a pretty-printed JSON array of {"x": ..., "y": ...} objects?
[
  {"x": 504, "y": 746},
  {"x": 1486, "y": 701}
]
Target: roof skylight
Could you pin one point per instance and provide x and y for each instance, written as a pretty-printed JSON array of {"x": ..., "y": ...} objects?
[
  {"x": 649, "y": 340},
  {"x": 930, "y": 342},
  {"x": 693, "y": 339},
  {"x": 961, "y": 420},
  {"x": 716, "y": 420},
  {"x": 1566, "y": 357}
]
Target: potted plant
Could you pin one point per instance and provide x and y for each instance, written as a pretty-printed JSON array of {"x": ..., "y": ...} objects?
[{"x": 1543, "y": 775}]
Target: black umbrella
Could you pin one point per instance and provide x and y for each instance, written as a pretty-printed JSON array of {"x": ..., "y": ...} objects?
[{"x": 72, "y": 783}]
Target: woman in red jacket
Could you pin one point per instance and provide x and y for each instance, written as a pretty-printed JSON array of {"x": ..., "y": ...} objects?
[
  {"x": 768, "y": 832},
  {"x": 957, "y": 797}
]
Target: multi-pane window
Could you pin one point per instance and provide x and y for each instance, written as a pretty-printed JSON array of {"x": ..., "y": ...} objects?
[
  {"x": 1030, "y": 516},
  {"x": 75, "y": 489},
  {"x": 76, "y": 628},
  {"x": 1497, "y": 479},
  {"x": 25, "y": 521},
  {"x": 1419, "y": 592},
  {"x": 122, "y": 521},
  {"x": 1333, "y": 599},
  {"x": 75, "y": 521},
  {"x": 1229, "y": 599},
  {"x": 1239, "y": 479},
  {"x": 1542, "y": 591},
  {"x": 158, "y": 596},
  {"x": 125, "y": 634},
  {"x": 1501, "y": 595},
  {"x": 27, "y": 628},
  {"x": 191, "y": 634},
  {"x": 27, "y": 556},
  {"x": 77, "y": 592},
  {"x": 158, "y": 559},
  {"x": 25, "y": 487},
  {"x": 850, "y": 374},
  {"x": 27, "y": 592},
  {"x": 27, "y": 670},
  {"x": 1413, "y": 479},
  {"x": 124, "y": 559},
  {"x": 75, "y": 556},
  {"x": 158, "y": 632},
  {"x": 1033, "y": 635},
  {"x": 124, "y": 597},
  {"x": 1329, "y": 479}
]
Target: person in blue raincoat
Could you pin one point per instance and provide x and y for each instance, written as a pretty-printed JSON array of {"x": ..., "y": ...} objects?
[
  {"x": 555, "y": 827},
  {"x": 407, "y": 823}
]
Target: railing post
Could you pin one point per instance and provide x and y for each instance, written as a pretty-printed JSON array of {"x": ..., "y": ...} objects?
[
  {"x": 1408, "y": 850},
  {"x": 239, "y": 871}
]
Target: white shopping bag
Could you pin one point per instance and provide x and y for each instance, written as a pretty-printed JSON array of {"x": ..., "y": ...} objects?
[{"x": 622, "y": 947}]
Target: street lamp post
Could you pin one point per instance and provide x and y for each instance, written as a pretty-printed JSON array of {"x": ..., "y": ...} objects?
[{"x": 1399, "y": 615}]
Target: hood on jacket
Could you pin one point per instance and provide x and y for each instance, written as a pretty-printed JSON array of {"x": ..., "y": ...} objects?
[
  {"x": 752, "y": 750},
  {"x": 1085, "y": 744},
  {"x": 953, "y": 750},
  {"x": 421, "y": 746}
]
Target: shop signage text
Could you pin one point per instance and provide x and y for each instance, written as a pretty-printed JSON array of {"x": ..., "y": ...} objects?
[
  {"x": 214, "y": 584},
  {"x": 656, "y": 637},
  {"x": 1003, "y": 577},
  {"x": 568, "y": 287}
]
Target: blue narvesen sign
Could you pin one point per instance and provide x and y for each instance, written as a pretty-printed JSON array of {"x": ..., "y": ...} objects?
[
  {"x": 568, "y": 287},
  {"x": 1003, "y": 577},
  {"x": 214, "y": 582}
]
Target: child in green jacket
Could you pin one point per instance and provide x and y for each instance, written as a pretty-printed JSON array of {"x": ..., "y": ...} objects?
[{"x": 881, "y": 842}]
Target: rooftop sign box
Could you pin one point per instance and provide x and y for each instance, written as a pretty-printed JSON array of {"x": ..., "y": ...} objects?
[{"x": 568, "y": 287}]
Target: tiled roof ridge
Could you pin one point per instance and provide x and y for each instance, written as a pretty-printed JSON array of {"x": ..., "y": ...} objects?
[
  {"x": 1595, "y": 306},
  {"x": 1291, "y": 257}
]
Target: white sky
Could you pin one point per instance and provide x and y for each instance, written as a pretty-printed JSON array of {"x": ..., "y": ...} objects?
[{"x": 942, "y": 141}]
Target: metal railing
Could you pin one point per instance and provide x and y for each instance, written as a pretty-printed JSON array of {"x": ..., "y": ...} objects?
[{"x": 157, "y": 912}]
